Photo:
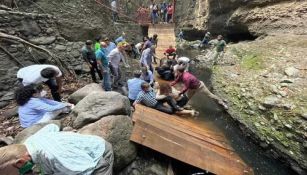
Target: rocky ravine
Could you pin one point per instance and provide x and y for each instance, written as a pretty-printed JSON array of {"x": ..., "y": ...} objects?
[{"x": 265, "y": 83}]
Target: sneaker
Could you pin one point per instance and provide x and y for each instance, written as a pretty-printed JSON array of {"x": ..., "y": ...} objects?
[{"x": 195, "y": 113}]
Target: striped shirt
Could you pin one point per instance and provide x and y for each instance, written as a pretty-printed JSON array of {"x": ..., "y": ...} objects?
[{"x": 147, "y": 98}]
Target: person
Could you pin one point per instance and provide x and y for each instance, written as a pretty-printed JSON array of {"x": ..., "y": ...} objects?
[
  {"x": 110, "y": 46},
  {"x": 154, "y": 13},
  {"x": 103, "y": 64},
  {"x": 148, "y": 98},
  {"x": 33, "y": 108},
  {"x": 139, "y": 47},
  {"x": 134, "y": 86},
  {"x": 193, "y": 85},
  {"x": 121, "y": 38},
  {"x": 115, "y": 17},
  {"x": 115, "y": 57},
  {"x": 97, "y": 43},
  {"x": 183, "y": 62},
  {"x": 170, "y": 52},
  {"x": 42, "y": 73},
  {"x": 89, "y": 57},
  {"x": 165, "y": 71},
  {"x": 163, "y": 12},
  {"x": 146, "y": 58},
  {"x": 50, "y": 151},
  {"x": 170, "y": 11},
  {"x": 205, "y": 40},
  {"x": 219, "y": 46},
  {"x": 180, "y": 36},
  {"x": 147, "y": 43},
  {"x": 154, "y": 39},
  {"x": 129, "y": 7},
  {"x": 147, "y": 76}
]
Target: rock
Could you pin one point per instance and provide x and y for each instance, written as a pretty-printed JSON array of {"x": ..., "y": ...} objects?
[
  {"x": 262, "y": 108},
  {"x": 286, "y": 81},
  {"x": 60, "y": 47},
  {"x": 6, "y": 141},
  {"x": 291, "y": 71},
  {"x": 8, "y": 96},
  {"x": 271, "y": 101},
  {"x": 304, "y": 116},
  {"x": 83, "y": 92},
  {"x": 3, "y": 104},
  {"x": 24, "y": 134},
  {"x": 100, "y": 104},
  {"x": 49, "y": 31},
  {"x": 43, "y": 40},
  {"x": 68, "y": 128},
  {"x": 288, "y": 126},
  {"x": 283, "y": 93},
  {"x": 75, "y": 53},
  {"x": 11, "y": 112},
  {"x": 117, "y": 131}
]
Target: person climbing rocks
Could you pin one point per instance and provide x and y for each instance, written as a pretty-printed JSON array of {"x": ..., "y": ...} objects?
[
  {"x": 114, "y": 8},
  {"x": 192, "y": 85},
  {"x": 170, "y": 52},
  {"x": 103, "y": 63},
  {"x": 50, "y": 151},
  {"x": 219, "y": 48},
  {"x": 115, "y": 57},
  {"x": 134, "y": 86},
  {"x": 110, "y": 46},
  {"x": 89, "y": 57},
  {"x": 205, "y": 40},
  {"x": 42, "y": 73}
]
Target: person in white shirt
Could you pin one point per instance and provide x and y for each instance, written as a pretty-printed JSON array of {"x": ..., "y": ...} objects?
[
  {"x": 42, "y": 73},
  {"x": 114, "y": 11}
]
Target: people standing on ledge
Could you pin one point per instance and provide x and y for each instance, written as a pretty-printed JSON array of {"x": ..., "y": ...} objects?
[
  {"x": 88, "y": 54},
  {"x": 42, "y": 73}
]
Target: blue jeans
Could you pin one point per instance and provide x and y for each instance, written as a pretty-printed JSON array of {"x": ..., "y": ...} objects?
[{"x": 106, "y": 83}]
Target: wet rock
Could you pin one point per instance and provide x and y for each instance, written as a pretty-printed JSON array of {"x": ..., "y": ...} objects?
[
  {"x": 83, "y": 92},
  {"x": 99, "y": 104},
  {"x": 24, "y": 134},
  {"x": 117, "y": 131},
  {"x": 291, "y": 71},
  {"x": 43, "y": 40},
  {"x": 271, "y": 101}
]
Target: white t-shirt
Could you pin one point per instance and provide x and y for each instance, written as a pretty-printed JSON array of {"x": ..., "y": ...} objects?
[
  {"x": 138, "y": 46},
  {"x": 114, "y": 6},
  {"x": 32, "y": 74},
  {"x": 183, "y": 59}
]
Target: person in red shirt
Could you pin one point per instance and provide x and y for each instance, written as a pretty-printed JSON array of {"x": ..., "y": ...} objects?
[
  {"x": 170, "y": 52},
  {"x": 170, "y": 11},
  {"x": 193, "y": 85}
]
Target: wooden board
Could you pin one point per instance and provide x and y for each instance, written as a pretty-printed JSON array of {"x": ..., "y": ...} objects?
[{"x": 184, "y": 141}]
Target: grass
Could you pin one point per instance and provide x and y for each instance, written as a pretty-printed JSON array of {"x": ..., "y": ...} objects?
[{"x": 249, "y": 60}]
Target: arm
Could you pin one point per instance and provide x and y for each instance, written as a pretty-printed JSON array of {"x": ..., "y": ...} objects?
[
  {"x": 59, "y": 83},
  {"x": 186, "y": 87},
  {"x": 175, "y": 81},
  {"x": 42, "y": 105},
  {"x": 151, "y": 78},
  {"x": 138, "y": 99}
]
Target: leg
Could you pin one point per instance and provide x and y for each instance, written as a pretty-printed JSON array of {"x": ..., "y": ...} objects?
[
  {"x": 203, "y": 88},
  {"x": 190, "y": 93},
  {"x": 52, "y": 115},
  {"x": 51, "y": 83},
  {"x": 105, "y": 164},
  {"x": 106, "y": 79},
  {"x": 164, "y": 109},
  {"x": 97, "y": 70},
  {"x": 171, "y": 102},
  {"x": 92, "y": 69}
]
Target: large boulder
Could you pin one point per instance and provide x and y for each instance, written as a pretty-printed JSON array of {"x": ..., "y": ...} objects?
[
  {"x": 83, "y": 92},
  {"x": 99, "y": 104},
  {"x": 43, "y": 40},
  {"x": 116, "y": 130},
  {"x": 24, "y": 134}
]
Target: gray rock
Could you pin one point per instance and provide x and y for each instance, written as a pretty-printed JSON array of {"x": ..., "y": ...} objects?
[
  {"x": 6, "y": 141},
  {"x": 60, "y": 47},
  {"x": 99, "y": 104},
  {"x": 83, "y": 92},
  {"x": 291, "y": 71},
  {"x": 116, "y": 130},
  {"x": 3, "y": 104},
  {"x": 304, "y": 116},
  {"x": 271, "y": 101},
  {"x": 8, "y": 96},
  {"x": 11, "y": 112},
  {"x": 75, "y": 53},
  {"x": 43, "y": 40},
  {"x": 24, "y": 134},
  {"x": 49, "y": 31}
]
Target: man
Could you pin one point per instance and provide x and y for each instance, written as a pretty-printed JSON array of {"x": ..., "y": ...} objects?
[
  {"x": 170, "y": 52},
  {"x": 89, "y": 57},
  {"x": 115, "y": 57},
  {"x": 110, "y": 46},
  {"x": 220, "y": 45},
  {"x": 147, "y": 76},
  {"x": 103, "y": 64},
  {"x": 134, "y": 86},
  {"x": 147, "y": 43},
  {"x": 146, "y": 58},
  {"x": 148, "y": 98},
  {"x": 114, "y": 11},
  {"x": 121, "y": 38},
  {"x": 183, "y": 62},
  {"x": 42, "y": 73},
  {"x": 97, "y": 43},
  {"x": 205, "y": 40},
  {"x": 193, "y": 85},
  {"x": 50, "y": 151},
  {"x": 180, "y": 36}
]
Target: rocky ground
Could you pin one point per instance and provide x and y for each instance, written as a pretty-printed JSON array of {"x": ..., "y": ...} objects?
[{"x": 265, "y": 83}]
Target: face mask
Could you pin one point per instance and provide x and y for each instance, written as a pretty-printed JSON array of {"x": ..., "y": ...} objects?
[
  {"x": 43, "y": 93},
  {"x": 26, "y": 168}
]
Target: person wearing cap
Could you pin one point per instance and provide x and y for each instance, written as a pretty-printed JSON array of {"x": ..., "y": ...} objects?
[
  {"x": 110, "y": 46},
  {"x": 205, "y": 40},
  {"x": 219, "y": 48},
  {"x": 103, "y": 64},
  {"x": 115, "y": 57},
  {"x": 89, "y": 57},
  {"x": 50, "y": 151},
  {"x": 134, "y": 86}
]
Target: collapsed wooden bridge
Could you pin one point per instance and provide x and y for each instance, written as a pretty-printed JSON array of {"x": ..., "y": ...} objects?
[{"x": 180, "y": 138}]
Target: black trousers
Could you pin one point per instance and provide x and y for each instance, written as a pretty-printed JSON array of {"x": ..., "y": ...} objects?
[
  {"x": 170, "y": 101},
  {"x": 51, "y": 83},
  {"x": 94, "y": 69}
]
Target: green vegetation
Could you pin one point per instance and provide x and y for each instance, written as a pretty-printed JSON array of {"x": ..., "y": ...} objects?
[{"x": 249, "y": 59}]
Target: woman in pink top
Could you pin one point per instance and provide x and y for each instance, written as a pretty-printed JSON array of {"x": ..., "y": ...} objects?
[{"x": 170, "y": 11}]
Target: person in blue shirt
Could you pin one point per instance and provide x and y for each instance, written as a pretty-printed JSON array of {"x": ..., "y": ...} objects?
[
  {"x": 33, "y": 108},
  {"x": 103, "y": 63},
  {"x": 55, "y": 152},
  {"x": 147, "y": 76},
  {"x": 134, "y": 86},
  {"x": 110, "y": 46},
  {"x": 121, "y": 38}
]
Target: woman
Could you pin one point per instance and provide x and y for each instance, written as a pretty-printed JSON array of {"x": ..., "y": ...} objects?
[
  {"x": 166, "y": 91},
  {"x": 170, "y": 11},
  {"x": 33, "y": 108}
]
